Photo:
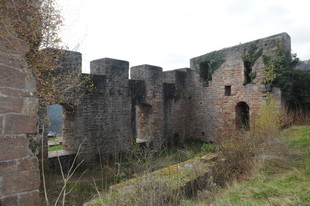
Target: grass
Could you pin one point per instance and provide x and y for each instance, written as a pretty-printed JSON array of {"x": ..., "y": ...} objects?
[
  {"x": 161, "y": 187},
  {"x": 276, "y": 182},
  {"x": 55, "y": 148},
  {"x": 139, "y": 162},
  {"x": 53, "y": 139},
  {"x": 271, "y": 184}
]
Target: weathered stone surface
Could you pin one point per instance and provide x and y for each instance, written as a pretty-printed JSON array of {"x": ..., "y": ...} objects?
[
  {"x": 6, "y": 75},
  {"x": 163, "y": 107},
  {"x": 11, "y": 200},
  {"x": 19, "y": 170},
  {"x": 15, "y": 92},
  {"x": 30, "y": 85},
  {"x": 30, "y": 163},
  {"x": 7, "y": 167},
  {"x": 20, "y": 182},
  {"x": 11, "y": 104},
  {"x": 1, "y": 124},
  {"x": 110, "y": 67},
  {"x": 20, "y": 124},
  {"x": 31, "y": 106},
  {"x": 183, "y": 178},
  {"x": 214, "y": 115},
  {"x": 12, "y": 61},
  {"x": 12, "y": 45},
  {"x": 31, "y": 198},
  {"x": 12, "y": 147}
]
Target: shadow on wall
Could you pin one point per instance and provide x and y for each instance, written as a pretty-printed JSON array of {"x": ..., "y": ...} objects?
[{"x": 243, "y": 116}]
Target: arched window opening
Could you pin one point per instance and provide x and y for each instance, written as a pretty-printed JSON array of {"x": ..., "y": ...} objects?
[{"x": 242, "y": 116}]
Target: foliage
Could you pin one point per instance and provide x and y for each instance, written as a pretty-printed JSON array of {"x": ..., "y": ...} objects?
[
  {"x": 138, "y": 162},
  {"x": 269, "y": 119},
  {"x": 208, "y": 148},
  {"x": 38, "y": 24},
  {"x": 206, "y": 64},
  {"x": 276, "y": 185},
  {"x": 280, "y": 71},
  {"x": 249, "y": 58}
]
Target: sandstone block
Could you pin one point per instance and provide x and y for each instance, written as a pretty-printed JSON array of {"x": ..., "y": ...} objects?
[
  {"x": 31, "y": 106},
  {"x": 28, "y": 164},
  {"x": 8, "y": 74},
  {"x": 12, "y": 61},
  {"x": 12, "y": 147},
  {"x": 14, "y": 93},
  {"x": 30, "y": 199},
  {"x": 13, "y": 45},
  {"x": 11, "y": 201},
  {"x": 7, "y": 167},
  {"x": 20, "y": 124},
  {"x": 11, "y": 104},
  {"x": 20, "y": 182}
]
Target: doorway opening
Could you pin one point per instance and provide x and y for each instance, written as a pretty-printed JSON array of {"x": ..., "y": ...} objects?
[{"x": 243, "y": 116}]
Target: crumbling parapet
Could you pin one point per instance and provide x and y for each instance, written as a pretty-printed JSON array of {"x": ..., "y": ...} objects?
[
  {"x": 150, "y": 119},
  {"x": 156, "y": 106},
  {"x": 177, "y": 105},
  {"x": 217, "y": 115}
]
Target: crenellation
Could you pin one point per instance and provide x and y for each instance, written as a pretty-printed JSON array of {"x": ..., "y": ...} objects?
[
  {"x": 155, "y": 108},
  {"x": 112, "y": 68}
]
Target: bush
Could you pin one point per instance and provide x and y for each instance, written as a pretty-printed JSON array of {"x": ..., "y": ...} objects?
[
  {"x": 240, "y": 156},
  {"x": 268, "y": 120}
]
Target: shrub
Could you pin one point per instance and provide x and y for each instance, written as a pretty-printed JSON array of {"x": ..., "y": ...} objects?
[
  {"x": 268, "y": 120},
  {"x": 240, "y": 156}
]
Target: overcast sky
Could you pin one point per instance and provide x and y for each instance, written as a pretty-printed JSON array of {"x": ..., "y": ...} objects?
[{"x": 167, "y": 33}]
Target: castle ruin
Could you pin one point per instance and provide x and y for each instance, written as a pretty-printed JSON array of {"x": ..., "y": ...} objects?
[
  {"x": 156, "y": 107},
  {"x": 152, "y": 107}
]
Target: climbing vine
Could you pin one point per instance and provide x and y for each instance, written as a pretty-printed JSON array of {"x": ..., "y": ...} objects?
[
  {"x": 206, "y": 65},
  {"x": 249, "y": 58},
  {"x": 280, "y": 71},
  {"x": 38, "y": 22}
]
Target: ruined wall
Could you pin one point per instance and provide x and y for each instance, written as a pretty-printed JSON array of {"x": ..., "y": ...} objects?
[
  {"x": 19, "y": 170},
  {"x": 177, "y": 105},
  {"x": 165, "y": 107},
  {"x": 102, "y": 117},
  {"x": 151, "y": 112},
  {"x": 214, "y": 113}
]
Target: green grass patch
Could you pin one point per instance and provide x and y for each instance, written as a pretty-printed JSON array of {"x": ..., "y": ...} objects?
[
  {"x": 138, "y": 162},
  {"x": 55, "y": 148},
  {"x": 287, "y": 186},
  {"x": 53, "y": 139}
]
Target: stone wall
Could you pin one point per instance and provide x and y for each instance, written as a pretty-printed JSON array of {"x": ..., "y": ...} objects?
[
  {"x": 19, "y": 170},
  {"x": 214, "y": 115},
  {"x": 150, "y": 113},
  {"x": 164, "y": 107},
  {"x": 177, "y": 104},
  {"x": 101, "y": 121}
]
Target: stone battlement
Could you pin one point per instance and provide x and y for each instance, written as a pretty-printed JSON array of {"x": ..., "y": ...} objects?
[{"x": 166, "y": 107}]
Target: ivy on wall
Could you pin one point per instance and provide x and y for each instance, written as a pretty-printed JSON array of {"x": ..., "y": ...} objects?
[
  {"x": 250, "y": 55},
  {"x": 206, "y": 64},
  {"x": 280, "y": 71}
]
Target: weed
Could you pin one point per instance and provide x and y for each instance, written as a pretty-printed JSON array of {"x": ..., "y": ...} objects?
[{"x": 208, "y": 148}]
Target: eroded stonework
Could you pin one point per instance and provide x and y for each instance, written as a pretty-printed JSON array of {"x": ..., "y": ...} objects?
[
  {"x": 165, "y": 107},
  {"x": 19, "y": 168}
]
